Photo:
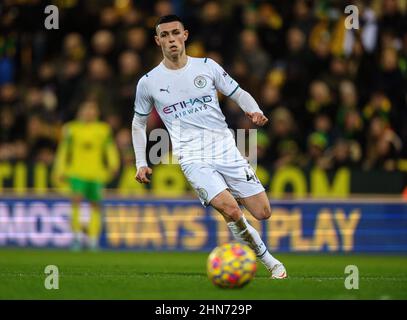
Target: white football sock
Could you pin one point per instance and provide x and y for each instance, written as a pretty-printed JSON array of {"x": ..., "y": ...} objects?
[{"x": 245, "y": 233}]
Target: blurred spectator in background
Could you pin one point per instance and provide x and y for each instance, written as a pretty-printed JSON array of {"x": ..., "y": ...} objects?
[
  {"x": 254, "y": 55},
  {"x": 323, "y": 124},
  {"x": 12, "y": 135},
  {"x": 270, "y": 97},
  {"x": 40, "y": 134},
  {"x": 341, "y": 155},
  {"x": 303, "y": 18},
  {"x": 136, "y": 41},
  {"x": 344, "y": 89},
  {"x": 284, "y": 146},
  {"x": 392, "y": 19},
  {"x": 103, "y": 46},
  {"x": 213, "y": 29},
  {"x": 383, "y": 146},
  {"x": 129, "y": 72},
  {"x": 98, "y": 86},
  {"x": 378, "y": 105},
  {"x": 320, "y": 102},
  {"x": 317, "y": 144},
  {"x": 296, "y": 62},
  {"x": 348, "y": 100}
]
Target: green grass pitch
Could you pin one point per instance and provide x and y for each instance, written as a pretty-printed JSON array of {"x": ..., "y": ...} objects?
[{"x": 181, "y": 275}]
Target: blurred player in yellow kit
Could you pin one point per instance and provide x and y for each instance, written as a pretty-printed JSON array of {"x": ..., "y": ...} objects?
[{"x": 87, "y": 158}]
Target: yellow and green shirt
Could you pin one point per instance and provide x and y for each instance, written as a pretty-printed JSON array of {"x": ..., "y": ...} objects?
[{"x": 87, "y": 151}]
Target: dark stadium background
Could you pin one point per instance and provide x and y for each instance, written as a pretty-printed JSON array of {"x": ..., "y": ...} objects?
[{"x": 335, "y": 147}]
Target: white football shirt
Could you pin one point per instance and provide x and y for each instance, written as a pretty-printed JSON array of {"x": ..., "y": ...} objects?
[{"x": 186, "y": 100}]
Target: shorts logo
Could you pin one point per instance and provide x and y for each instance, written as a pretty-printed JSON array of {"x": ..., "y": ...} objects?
[
  {"x": 200, "y": 82},
  {"x": 250, "y": 175},
  {"x": 202, "y": 193}
]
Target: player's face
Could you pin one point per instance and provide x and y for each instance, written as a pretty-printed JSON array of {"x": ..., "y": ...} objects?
[{"x": 171, "y": 37}]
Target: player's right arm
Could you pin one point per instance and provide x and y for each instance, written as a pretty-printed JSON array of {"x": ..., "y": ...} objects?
[{"x": 142, "y": 108}]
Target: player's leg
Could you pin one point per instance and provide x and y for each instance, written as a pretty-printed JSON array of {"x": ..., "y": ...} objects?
[
  {"x": 244, "y": 184},
  {"x": 94, "y": 195},
  {"x": 95, "y": 225},
  {"x": 211, "y": 188},
  {"x": 243, "y": 232},
  {"x": 76, "y": 199},
  {"x": 259, "y": 206},
  {"x": 227, "y": 205},
  {"x": 76, "y": 221}
]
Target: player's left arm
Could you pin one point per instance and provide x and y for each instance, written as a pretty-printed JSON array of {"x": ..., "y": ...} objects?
[
  {"x": 229, "y": 87},
  {"x": 247, "y": 103}
]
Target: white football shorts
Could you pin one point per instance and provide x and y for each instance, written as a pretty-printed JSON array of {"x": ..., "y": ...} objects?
[{"x": 210, "y": 178}]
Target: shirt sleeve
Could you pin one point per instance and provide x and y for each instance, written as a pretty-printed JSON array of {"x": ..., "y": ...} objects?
[
  {"x": 143, "y": 102},
  {"x": 223, "y": 81}
]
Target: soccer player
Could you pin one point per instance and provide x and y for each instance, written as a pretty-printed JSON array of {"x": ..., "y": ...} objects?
[
  {"x": 87, "y": 158},
  {"x": 184, "y": 92}
]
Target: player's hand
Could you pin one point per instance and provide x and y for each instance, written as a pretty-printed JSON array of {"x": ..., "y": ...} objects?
[
  {"x": 257, "y": 118},
  {"x": 143, "y": 174}
]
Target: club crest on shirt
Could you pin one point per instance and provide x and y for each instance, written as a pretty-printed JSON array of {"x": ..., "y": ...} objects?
[
  {"x": 202, "y": 193},
  {"x": 200, "y": 82}
]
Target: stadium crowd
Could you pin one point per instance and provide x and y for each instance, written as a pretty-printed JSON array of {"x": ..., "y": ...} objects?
[{"x": 334, "y": 96}]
